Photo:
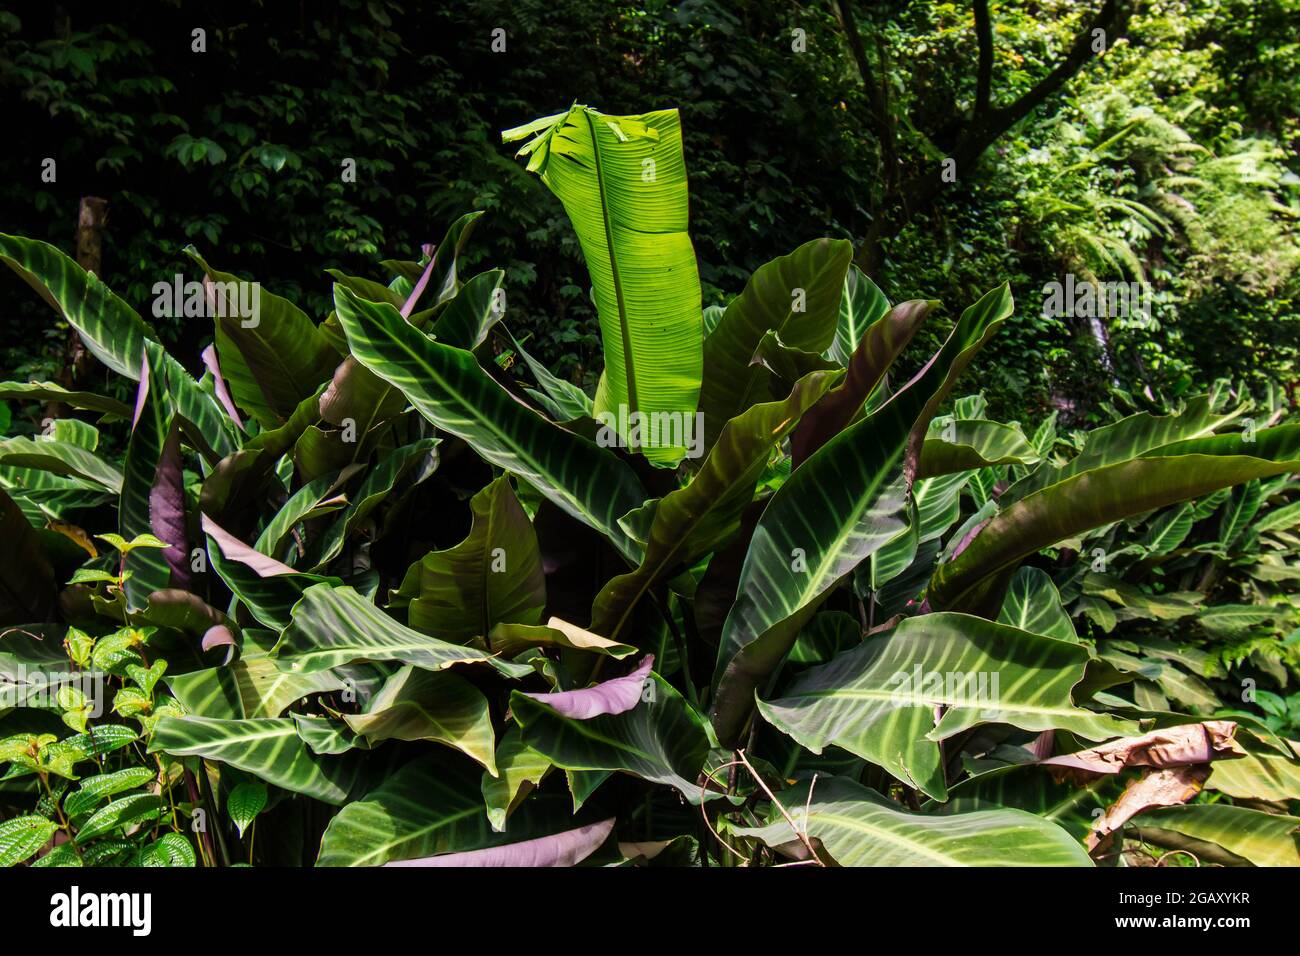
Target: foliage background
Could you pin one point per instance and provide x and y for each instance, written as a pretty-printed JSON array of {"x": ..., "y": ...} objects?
[{"x": 1172, "y": 158}]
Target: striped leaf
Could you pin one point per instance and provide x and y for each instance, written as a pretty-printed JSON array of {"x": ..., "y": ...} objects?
[
  {"x": 249, "y": 687},
  {"x": 840, "y": 506},
  {"x": 622, "y": 181},
  {"x": 146, "y": 467},
  {"x": 1033, "y": 604},
  {"x": 883, "y": 341},
  {"x": 861, "y": 305},
  {"x": 1092, "y": 498},
  {"x": 447, "y": 386},
  {"x": 1129, "y": 438},
  {"x": 560, "y": 398},
  {"x": 1069, "y": 805},
  {"x": 111, "y": 329},
  {"x": 694, "y": 520},
  {"x": 267, "y": 587},
  {"x": 798, "y": 297},
  {"x": 270, "y": 364},
  {"x": 417, "y": 704},
  {"x": 267, "y": 747},
  {"x": 878, "y": 700},
  {"x": 60, "y": 458},
  {"x": 519, "y": 770},
  {"x": 965, "y": 444},
  {"x": 374, "y": 489},
  {"x": 1244, "y": 836},
  {"x": 661, "y": 739},
  {"x": 53, "y": 392},
  {"x": 1169, "y": 529},
  {"x": 1259, "y": 775},
  {"x": 492, "y": 577},
  {"x": 333, "y": 626},
  {"x": 858, "y": 827},
  {"x": 429, "y": 806}
]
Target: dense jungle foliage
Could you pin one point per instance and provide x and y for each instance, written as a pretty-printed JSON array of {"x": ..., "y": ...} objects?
[{"x": 695, "y": 477}]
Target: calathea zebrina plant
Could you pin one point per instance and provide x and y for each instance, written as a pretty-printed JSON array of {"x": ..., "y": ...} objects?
[{"x": 385, "y": 590}]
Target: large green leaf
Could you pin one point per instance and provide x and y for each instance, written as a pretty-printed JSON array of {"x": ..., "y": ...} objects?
[
  {"x": 878, "y": 700},
  {"x": 250, "y": 687},
  {"x": 1091, "y": 498},
  {"x": 269, "y": 588},
  {"x": 861, "y": 306},
  {"x": 53, "y": 392},
  {"x": 449, "y": 388},
  {"x": 374, "y": 489},
  {"x": 858, "y": 827},
  {"x": 1260, "y": 775},
  {"x": 694, "y": 520},
  {"x": 60, "y": 458},
  {"x": 842, "y": 504},
  {"x": 1263, "y": 839},
  {"x": 335, "y": 625},
  {"x": 965, "y": 444},
  {"x": 1129, "y": 438},
  {"x": 492, "y": 577},
  {"x": 429, "y": 806},
  {"x": 519, "y": 770},
  {"x": 560, "y": 398},
  {"x": 267, "y": 747},
  {"x": 622, "y": 180},
  {"x": 111, "y": 329},
  {"x": 416, "y": 704},
  {"x": 661, "y": 739},
  {"x": 355, "y": 392},
  {"x": 798, "y": 297},
  {"x": 271, "y": 363},
  {"x": 1033, "y": 604}
]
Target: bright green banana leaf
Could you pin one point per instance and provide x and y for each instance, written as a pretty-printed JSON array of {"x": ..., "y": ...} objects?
[{"x": 622, "y": 180}]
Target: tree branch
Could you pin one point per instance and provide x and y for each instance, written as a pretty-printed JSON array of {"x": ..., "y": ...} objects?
[
  {"x": 984, "y": 74},
  {"x": 919, "y": 190},
  {"x": 877, "y": 104}
]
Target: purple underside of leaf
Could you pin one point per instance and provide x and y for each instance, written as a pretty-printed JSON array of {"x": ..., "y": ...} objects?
[
  {"x": 418, "y": 291},
  {"x": 141, "y": 392},
  {"x": 167, "y": 508},
  {"x": 612, "y": 697},
  {"x": 218, "y": 635},
  {"x": 219, "y": 384},
  {"x": 560, "y": 849},
  {"x": 235, "y": 550}
]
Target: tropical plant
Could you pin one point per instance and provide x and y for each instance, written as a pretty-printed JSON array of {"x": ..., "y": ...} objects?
[{"x": 755, "y": 599}]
